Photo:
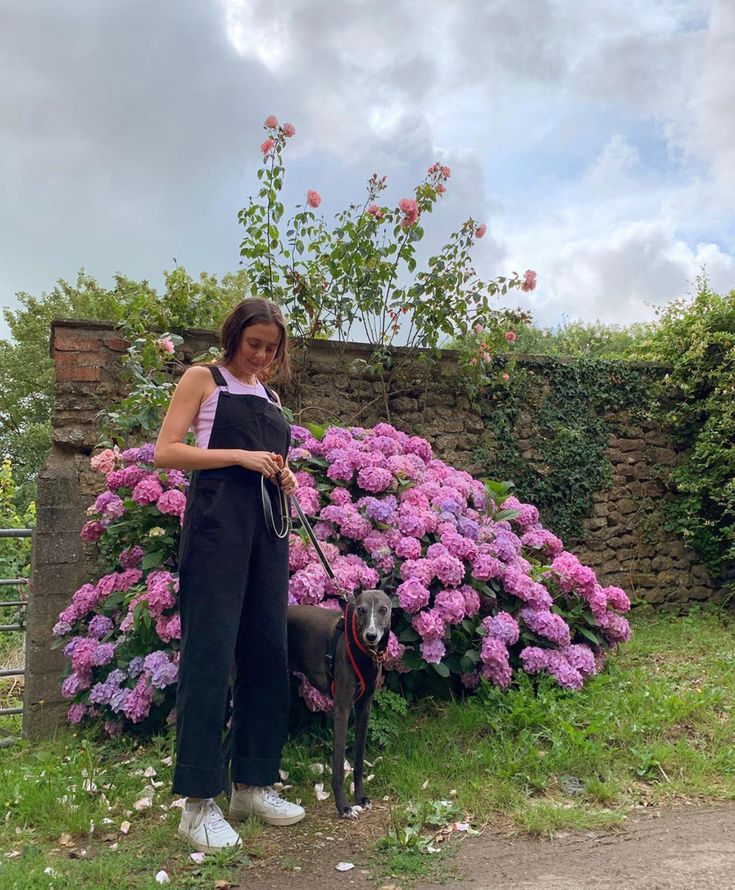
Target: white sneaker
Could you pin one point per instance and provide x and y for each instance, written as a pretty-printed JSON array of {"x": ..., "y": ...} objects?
[
  {"x": 265, "y": 803},
  {"x": 203, "y": 825}
]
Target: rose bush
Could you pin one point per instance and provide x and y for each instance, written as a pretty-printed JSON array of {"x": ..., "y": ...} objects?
[{"x": 481, "y": 590}]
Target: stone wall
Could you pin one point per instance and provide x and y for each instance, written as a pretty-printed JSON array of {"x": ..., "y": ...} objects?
[{"x": 622, "y": 541}]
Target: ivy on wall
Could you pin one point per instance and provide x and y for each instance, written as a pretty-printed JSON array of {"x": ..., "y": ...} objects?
[{"x": 547, "y": 430}]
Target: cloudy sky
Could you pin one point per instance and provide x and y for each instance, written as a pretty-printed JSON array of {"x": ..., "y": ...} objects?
[{"x": 596, "y": 139}]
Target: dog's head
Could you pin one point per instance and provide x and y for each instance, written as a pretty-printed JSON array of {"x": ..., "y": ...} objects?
[{"x": 372, "y": 613}]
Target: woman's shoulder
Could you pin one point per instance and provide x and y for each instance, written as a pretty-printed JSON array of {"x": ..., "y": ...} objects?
[
  {"x": 197, "y": 379},
  {"x": 199, "y": 372}
]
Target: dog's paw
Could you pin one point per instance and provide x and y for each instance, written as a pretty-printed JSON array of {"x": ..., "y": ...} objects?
[{"x": 351, "y": 812}]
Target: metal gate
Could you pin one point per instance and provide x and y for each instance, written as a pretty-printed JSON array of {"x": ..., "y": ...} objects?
[{"x": 13, "y": 610}]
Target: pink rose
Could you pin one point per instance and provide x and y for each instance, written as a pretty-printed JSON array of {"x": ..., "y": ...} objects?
[
  {"x": 529, "y": 281},
  {"x": 446, "y": 172},
  {"x": 166, "y": 344},
  {"x": 480, "y": 230},
  {"x": 510, "y": 336},
  {"x": 267, "y": 146},
  {"x": 313, "y": 199},
  {"x": 104, "y": 462},
  {"x": 440, "y": 189},
  {"x": 410, "y": 210},
  {"x": 375, "y": 211},
  {"x": 271, "y": 122},
  {"x": 288, "y": 130}
]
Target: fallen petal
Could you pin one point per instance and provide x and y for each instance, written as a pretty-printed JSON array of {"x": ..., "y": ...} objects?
[
  {"x": 197, "y": 857},
  {"x": 283, "y": 774},
  {"x": 344, "y": 866},
  {"x": 167, "y": 761},
  {"x": 149, "y": 772},
  {"x": 162, "y": 877},
  {"x": 125, "y": 827},
  {"x": 143, "y": 804},
  {"x": 317, "y": 768}
]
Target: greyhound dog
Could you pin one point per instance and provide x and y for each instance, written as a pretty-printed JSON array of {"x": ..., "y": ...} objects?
[{"x": 342, "y": 655}]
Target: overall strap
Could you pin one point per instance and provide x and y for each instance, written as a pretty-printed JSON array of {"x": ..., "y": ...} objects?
[
  {"x": 219, "y": 377},
  {"x": 272, "y": 395}
]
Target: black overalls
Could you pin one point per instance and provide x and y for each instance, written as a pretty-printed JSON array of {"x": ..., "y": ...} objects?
[{"x": 233, "y": 597}]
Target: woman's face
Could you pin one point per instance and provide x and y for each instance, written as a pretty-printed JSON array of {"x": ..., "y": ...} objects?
[{"x": 258, "y": 346}]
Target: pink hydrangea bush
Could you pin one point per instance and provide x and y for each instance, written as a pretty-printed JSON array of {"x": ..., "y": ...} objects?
[
  {"x": 481, "y": 590},
  {"x": 120, "y": 633}
]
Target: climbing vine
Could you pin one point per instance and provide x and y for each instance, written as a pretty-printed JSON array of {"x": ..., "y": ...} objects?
[{"x": 547, "y": 430}]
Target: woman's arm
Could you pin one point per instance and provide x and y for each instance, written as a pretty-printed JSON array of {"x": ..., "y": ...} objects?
[{"x": 172, "y": 453}]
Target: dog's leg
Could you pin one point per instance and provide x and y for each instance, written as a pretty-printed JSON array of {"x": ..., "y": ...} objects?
[
  {"x": 362, "y": 716},
  {"x": 342, "y": 708}
]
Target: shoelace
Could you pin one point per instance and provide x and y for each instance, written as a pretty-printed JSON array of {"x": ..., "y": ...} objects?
[
  {"x": 272, "y": 796},
  {"x": 209, "y": 813}
]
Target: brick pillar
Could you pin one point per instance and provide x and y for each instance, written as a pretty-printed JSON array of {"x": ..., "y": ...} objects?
[{"x": 86, "y": 366}]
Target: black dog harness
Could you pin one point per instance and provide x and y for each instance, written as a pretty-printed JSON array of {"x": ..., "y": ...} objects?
[{"x": 366, "y": 664}]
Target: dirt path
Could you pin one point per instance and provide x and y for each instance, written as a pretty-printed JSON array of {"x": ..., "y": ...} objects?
[
  {"x": 681, "y": 849},
  {"x": 676, "y": 849}
]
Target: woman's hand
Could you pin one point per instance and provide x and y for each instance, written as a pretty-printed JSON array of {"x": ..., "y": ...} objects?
[
  {"x": 265, "y": 462},
  {"x": 288, "y": 481}
]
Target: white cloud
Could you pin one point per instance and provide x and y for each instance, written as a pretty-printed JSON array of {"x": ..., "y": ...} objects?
[{"x": 596, "y": 139}]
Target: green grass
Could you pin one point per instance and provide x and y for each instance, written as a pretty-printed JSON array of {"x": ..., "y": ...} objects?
[{"x": 657, "y": 726}]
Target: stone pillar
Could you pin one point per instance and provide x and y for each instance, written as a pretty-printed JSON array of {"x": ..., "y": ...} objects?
[{"x": 86, "y": 376}]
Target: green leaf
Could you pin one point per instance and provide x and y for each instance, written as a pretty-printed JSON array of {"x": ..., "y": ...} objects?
[
  {"x": 153, "y": 559},
  {"x": 590, "y": 635},
  {"x": 408, "y": 635},
  {"x": 316, "y": 430},
  {"x": 413, "y": 660},
  {"x": 506, "y": 514},
  {"x": 441, "y": 669}
]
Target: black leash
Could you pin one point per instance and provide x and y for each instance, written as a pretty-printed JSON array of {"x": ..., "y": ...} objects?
[{"x": 285, "y": 502}]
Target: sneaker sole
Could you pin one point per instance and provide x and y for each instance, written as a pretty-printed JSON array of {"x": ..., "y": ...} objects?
[
  {"x": 282, "y": 822},
  {"x": 205, "y": 848}
]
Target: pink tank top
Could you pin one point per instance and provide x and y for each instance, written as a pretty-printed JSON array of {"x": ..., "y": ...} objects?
[{"x": 202, "y": 425}]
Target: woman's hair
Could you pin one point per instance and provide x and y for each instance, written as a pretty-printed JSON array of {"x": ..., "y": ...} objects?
[{"x": 256, "y": 310}]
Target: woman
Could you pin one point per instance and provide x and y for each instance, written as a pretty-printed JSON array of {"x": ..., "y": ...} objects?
[{"x": 233, "y": 576}]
